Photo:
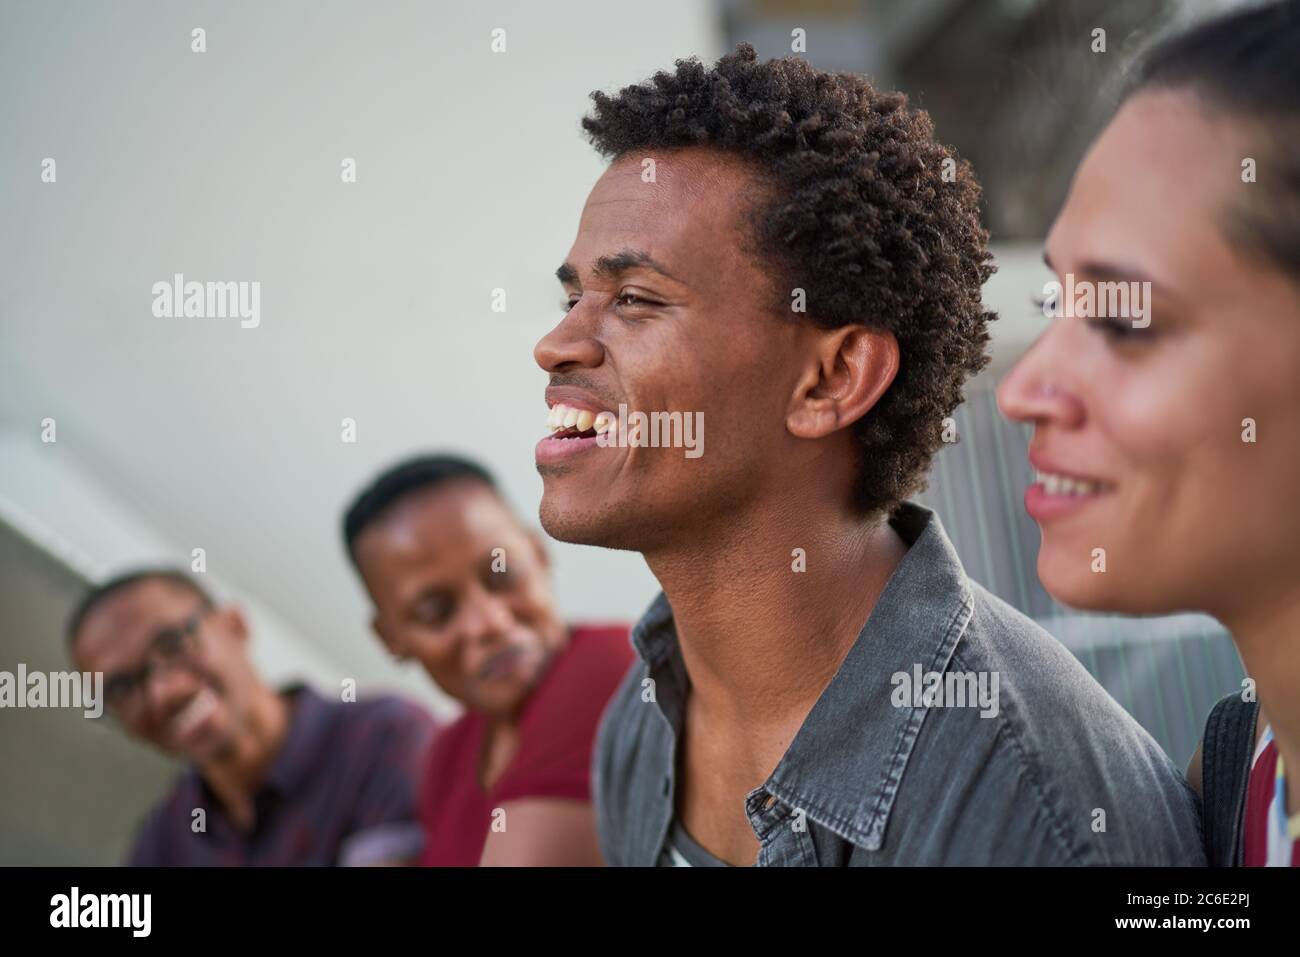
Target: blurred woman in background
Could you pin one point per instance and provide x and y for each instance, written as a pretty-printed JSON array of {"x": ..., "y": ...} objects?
[{"x": 462, "y": 586}]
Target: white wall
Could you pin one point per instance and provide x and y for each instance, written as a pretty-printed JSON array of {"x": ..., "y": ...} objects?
[
  {"x": 49, "y": 500},
  {"x": 1011, "y": 293},
  {"x": 376, "y": 296},
  {"x": 72, "y": 788},
  {"x": 176, "y": 433}
]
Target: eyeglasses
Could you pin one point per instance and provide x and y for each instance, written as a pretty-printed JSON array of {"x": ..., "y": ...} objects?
[{"x": 169, "y": 647}]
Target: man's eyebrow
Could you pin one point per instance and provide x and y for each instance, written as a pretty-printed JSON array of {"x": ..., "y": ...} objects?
[
  {"x": 606, "y": 267},
  {"x": 609, "y": 266}
]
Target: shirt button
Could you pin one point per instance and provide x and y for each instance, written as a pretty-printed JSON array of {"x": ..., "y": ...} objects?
[{"x": 667, "y": 785}]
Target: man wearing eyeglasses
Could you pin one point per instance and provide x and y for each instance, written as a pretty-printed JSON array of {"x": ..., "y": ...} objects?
[{"x": 274, "y": 777}]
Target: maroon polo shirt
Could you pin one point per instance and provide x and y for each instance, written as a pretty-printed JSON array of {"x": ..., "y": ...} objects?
[{"x": 556, "y": 736}]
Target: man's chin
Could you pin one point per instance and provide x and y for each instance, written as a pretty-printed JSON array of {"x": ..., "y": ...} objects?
[
  {"x": 213, "y": 746},
  {"x": 581, "y": 525}
]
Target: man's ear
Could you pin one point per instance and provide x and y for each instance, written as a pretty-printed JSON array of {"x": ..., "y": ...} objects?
[
  {"x": 235, "y": 622},
  {"x": 849, "y": 370},
  {"x": 388, "y": 637}
]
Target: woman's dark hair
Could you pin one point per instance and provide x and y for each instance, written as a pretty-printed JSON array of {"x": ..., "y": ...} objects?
[
  {"x": 1245, "y": 65},
  {"x": 400, "y": 480},
  {"x": 859, "y": 206}
]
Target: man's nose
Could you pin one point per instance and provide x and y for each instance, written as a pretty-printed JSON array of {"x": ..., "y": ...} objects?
[
  {"x": 572, "y": 343},
  {"x": 165, "y": 685}
]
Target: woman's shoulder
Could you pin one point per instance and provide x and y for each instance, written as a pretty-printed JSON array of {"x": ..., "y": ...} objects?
[
  {"x": 452, "y": 743},
  {"x": 600, "y": 646},
  {"x": 587, "y": 671}
]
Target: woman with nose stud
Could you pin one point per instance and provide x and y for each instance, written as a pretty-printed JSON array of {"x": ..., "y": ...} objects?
[{"x": 1171, "y": 443}]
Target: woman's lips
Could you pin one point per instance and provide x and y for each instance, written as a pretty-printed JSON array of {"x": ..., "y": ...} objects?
[
  {"x": 503, "y": 664},
  {"x": 1044, "y": 506},
  {"x": 1057, "y": 492}
]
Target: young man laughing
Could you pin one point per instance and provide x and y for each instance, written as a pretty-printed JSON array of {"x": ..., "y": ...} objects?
[{"x": 791, "y": 255}]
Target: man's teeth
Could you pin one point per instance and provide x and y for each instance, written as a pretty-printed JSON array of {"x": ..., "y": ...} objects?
[
  {"x": 567, "y": 417},
  {"x": 198, "y": 708},
  {"x": 1066, "y": 485}
]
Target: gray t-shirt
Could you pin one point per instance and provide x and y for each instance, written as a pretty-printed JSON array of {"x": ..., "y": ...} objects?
[
  {"x": 682, "y": 850},
  {"x": 956, "y": 732}
]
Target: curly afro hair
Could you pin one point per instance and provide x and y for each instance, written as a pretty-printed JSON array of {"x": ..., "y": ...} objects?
[{"x": 876, "y": 221}]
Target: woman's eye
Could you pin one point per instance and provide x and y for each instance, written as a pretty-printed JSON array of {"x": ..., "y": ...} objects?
[
  {"x": 1118, "y": 329},
  {"x": 432, "y": 613}
]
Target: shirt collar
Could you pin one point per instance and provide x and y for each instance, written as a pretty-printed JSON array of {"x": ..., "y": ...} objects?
[
  {"x": 844, "y": 767},
  {"x": 308, "y": 729},
  {"x": 654, "y": 636}
]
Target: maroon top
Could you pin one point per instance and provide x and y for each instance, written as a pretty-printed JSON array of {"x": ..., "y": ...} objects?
[
  {"x": 557, "y": 732},
  {"x": 1261, "y": 805}
]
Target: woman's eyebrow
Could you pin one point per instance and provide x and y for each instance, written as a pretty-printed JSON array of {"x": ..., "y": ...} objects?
[
  {"x": 1111, "y": 272},
  {"x": 1100, "y": 271},
  {"x": 427, "y": 592},
  {"x": 1114, "y": 271}
]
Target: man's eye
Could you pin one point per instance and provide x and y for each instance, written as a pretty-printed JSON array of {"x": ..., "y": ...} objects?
[
  {"x": 631, "y": 299},
  {"x": 118, "y": 688},
  {"x": 168, "y": 643},
  {"x": 567, "y": 304}
]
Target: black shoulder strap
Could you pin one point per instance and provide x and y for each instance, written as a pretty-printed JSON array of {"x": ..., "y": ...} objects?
[{"x": 1226, "y": 751}]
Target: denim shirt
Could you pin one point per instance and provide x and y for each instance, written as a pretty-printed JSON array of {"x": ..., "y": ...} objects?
[{"x": 1056, "y": 773}]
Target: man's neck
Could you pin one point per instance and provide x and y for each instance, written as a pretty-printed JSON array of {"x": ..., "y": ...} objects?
[
  {"x": 760, "y": 639},
  {"x": 1268, "y": 637},
  {"x": 237, "y": 774}
]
